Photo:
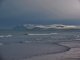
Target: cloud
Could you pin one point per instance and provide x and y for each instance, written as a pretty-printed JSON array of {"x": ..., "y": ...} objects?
[
  {"x": 63, "y": 8},
  {"x": 40, "y": 10},
  {"x": 0, "y": 1},
  {"x": 79, "y": 0},
  {"x": 53, "y": 8}
]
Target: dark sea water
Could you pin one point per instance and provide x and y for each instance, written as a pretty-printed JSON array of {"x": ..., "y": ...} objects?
[{"x": 17, "y": 45}]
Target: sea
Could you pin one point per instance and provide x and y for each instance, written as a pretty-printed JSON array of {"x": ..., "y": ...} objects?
[{"x": 19, "y": 45}]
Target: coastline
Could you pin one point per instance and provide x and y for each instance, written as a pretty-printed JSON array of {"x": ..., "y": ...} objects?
[
  {"x": 44, "y": 56},
  {"x": 20, "y": 51},
  {"x": 72, "y": 54}
]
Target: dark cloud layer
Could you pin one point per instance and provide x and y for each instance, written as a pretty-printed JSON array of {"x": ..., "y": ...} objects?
[
  {"x": 14, "y": 12},
  {"x": 0, "y": 1}
]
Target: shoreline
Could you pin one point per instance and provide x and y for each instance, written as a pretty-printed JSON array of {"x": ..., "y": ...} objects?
[
  {"x": 51, "y": 53},
  {"x": 72, "y": 54},
  {"x": 41, "y": 49},
  {"x": 38, "y": 56}
]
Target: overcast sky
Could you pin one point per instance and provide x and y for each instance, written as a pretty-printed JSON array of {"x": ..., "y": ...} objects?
[{"x": 16, "y": 12}]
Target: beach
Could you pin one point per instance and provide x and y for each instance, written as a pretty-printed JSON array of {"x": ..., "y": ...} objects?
[
  {"x": 22, "y": 50},
  {"x": 39, "y": 29},
  {"x": 40, "y": 46},
  {"x": 72, "y": 54}
]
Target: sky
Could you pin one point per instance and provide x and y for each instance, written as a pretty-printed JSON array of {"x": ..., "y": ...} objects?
[{"x": 17, "y": 12}]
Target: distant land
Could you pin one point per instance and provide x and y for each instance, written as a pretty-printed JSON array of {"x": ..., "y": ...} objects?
[{"x": 46, "y": 27}]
